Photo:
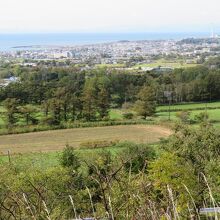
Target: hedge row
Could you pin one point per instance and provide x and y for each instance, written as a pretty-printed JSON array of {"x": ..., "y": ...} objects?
[
  {"x": 37, "y": 128},
  {"x": 188, "y": 109}
]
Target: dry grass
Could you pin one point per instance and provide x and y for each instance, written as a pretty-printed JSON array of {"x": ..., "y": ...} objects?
[{"x": 56, "y": 140}]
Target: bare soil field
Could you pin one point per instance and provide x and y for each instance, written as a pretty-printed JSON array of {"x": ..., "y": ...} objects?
[{"x": 57, "y": 139}]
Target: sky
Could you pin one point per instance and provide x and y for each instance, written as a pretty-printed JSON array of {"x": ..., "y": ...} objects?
[{"x": 27, "y": 16}]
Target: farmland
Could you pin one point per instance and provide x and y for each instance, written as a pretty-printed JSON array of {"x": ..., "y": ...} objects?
[
  {"x": 56, "y": 140},
  {"x": 212, "y": 109},
  {"x": 190, "y": 106},
  {"x": 167, "y": 63}
]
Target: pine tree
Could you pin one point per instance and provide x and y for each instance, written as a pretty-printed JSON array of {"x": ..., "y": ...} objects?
[
  {"x": 103, "y": 102},
  {"x": 55, "y": 107},
  {"x": 146, "y": 103},
  {"x": 27, "y": 112},
  {"x": 11, "y": 105},
  {"x": 89, "y": 101}
]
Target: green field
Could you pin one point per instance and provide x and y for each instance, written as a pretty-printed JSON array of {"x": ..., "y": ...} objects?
[
  {"x": 51, "y": 159},
  {"x": 214, "y": 114},
  {"x": 116, "y": 114},
  {"x": 213, "y": 110},
  {"x": 167, "y": 63},
  {"x": 191, "y": 106},
  {"x": 110, "y": 65}
]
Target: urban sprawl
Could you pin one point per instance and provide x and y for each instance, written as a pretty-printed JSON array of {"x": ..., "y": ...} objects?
[{"x": 122, "y": 54}]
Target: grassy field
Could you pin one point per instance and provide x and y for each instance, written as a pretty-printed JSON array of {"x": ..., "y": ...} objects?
[
  {"x": 214, "y": 114},
  {"x": 110, "y": 65},
  {"x": 191, "y": 106},
  {"x": 167, "y": 63},
  {"x": 56, "y": 140},
  {"x": 116, "y": 114},
  {"x": 194, "y": 109}
]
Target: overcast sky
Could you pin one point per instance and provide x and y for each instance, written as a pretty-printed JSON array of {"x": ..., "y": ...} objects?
[{"x": 108, "y": 15}]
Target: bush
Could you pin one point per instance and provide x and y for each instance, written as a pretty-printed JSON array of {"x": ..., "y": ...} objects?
[
  {"x": 127, "y": 105},
  {"x": 184, "y": 116},
  {"x": 138, "y": 156},
  {"x": 98, "y": 144},
  {"x": 50, "y": 121},
  {"x": 69, "y": 158},
  {"x": 128, "y": 115},
  {"x": 201, "y": 117}
]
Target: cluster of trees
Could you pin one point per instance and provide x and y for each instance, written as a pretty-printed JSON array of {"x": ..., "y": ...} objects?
[
  {"x": 190, "y": 85},
  {"x": 37, "y": 84},
  {"x": 68, "y": 94},
  {"x": 138, "y": 182},
  {"x": 65, "y": 95},
  {"x": 90, "y": 103}
]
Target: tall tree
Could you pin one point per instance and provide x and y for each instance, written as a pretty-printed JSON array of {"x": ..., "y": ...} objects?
[
  {"x": 146, "y": 103},
  {"x": 63, "y": 96},
  {"x": 11, "y": 105},
  {"x": 55, "y": 107},
  {"x": 89, "y": 100},
  {"x": 28, "y": 113},
  {"x": 103, "y": 102}
]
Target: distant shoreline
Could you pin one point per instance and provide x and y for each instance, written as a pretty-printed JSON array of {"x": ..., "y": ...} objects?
[{"x": 10, "y": 42}]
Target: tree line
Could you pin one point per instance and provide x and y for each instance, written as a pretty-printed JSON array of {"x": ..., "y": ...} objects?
[{"x": 68, "y": 94}]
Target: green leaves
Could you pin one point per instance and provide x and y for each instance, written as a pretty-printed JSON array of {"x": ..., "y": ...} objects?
[
  {"x": 69, "y": 158},
  {"x": 146, "y": 103}
]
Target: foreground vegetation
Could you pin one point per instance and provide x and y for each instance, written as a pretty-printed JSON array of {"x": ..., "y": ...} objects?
[{"x": 173, "y": 179}]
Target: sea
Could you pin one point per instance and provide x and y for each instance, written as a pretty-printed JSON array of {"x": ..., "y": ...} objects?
[{"x": 10, "y": 42}]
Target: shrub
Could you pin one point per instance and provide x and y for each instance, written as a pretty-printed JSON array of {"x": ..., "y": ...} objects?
[
  {"x": 98, "y": 144},
  {"x": 128, "y": 115},
  {"x": 201, "y": 117},
  {"x": 184, "y": 116},
  {"x": 127, "y": 105},
  {"x": 69, "y": 158},
  {"x": 137, "y": 156},
  {"x": 50, "y": 121}
]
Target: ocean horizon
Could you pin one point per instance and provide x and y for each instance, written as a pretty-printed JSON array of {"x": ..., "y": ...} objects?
[{"x": 8, "y": 42}]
